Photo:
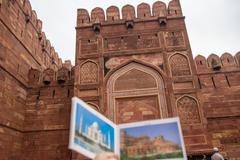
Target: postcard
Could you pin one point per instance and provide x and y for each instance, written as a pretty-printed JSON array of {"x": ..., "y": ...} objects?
[
  {"x": 91, "y": 133},
  {"x": 152, "y": 140}
]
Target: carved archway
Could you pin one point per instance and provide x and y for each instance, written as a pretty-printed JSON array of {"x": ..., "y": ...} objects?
[
  {"x": 136, "y": 92},
  {"x": 188, "y": 111},
  {"x": 89, "y": 72},
  {"x": 179, "y": 65}
]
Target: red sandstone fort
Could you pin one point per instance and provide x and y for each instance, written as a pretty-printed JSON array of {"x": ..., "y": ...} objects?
[{"x": 137, "y": 67}]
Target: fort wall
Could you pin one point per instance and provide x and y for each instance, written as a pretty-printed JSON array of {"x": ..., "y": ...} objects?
[
  {"x": 109, "y": 43},
  {"x": 219, "y": 94},
  {"x": 47, "y": 114},
  {"x": 23, "y": 46},
  {"x": 130, "y": 66}
]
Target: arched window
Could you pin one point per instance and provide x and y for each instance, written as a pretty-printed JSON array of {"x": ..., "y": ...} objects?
[
  {"x": 179, "y": 65},
  {"x": 88, "y": 73},
  {"x": 187, "y": 108}
]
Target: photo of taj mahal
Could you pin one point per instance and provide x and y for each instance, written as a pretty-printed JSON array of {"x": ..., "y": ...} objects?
[{"x": 92, "y": 133}]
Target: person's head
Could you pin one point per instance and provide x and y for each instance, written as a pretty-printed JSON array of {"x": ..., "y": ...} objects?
[{"x": 215, "y": 149}]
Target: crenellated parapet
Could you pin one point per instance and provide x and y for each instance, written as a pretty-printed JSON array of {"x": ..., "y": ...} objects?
[
  {"x": 143, "y": 12},
  {"x": 51, "y": 77},
  {"x": 218, "y": 72},
  {"x": 18, "y": 17},
  {"x": 215, "y": 63}
]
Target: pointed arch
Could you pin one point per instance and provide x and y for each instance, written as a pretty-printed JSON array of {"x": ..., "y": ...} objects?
[
  {"x": 179, "y": 65},
  {"x": 88, "y": 72},
  {"x": 94, "y": 106},
  {"x": 188, "y": 109},
  {"x": 136, "y": 92}
]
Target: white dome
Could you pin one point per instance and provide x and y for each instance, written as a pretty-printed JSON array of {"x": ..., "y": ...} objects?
[{"x": 95, "y": 125}]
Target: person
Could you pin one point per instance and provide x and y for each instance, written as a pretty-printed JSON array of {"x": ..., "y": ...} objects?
[
  {"x": 106, "y": 156},
  {"x": 216, "y": 155}
]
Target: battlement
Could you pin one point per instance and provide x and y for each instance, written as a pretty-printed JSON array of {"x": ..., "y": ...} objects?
[
  {"x": 50, "y": 77},
  {"x": 144, "y": 12},
  {"x": 213, "y": 62},
  {"x": 22, "y": 21}
]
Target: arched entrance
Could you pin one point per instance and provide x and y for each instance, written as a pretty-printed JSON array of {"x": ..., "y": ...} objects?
[{"x": 136, "y": 92}]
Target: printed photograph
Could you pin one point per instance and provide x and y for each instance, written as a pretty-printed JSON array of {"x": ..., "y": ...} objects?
[
  {"x": 92, "y": 133},
  {"x": 151, "y": 142}
]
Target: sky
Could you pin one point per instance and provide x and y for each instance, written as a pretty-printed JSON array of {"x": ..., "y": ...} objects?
[
  {"x": 213, "y": 25},
  {"x": 89, "y": 119},
  {"x": 169, "y": 131}
]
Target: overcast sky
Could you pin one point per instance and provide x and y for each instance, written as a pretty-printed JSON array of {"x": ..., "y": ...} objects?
[{"x": 213, "y": 25}]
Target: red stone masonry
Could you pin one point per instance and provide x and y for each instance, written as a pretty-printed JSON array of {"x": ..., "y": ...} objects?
[{"x": 132, "y": 66}]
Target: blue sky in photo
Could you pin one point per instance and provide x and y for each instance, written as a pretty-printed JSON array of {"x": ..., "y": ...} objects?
[
  {"x": 89, "y": 118},
  {"x": 169, "y": 131}
]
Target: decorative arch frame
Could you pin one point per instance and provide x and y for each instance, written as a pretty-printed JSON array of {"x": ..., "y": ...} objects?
[
  {"x": 170, "y": 57},
  {"x": 159, "y": 91},
  {"x": 198, "y": 106},
  {"x": 91, "y": 61},
  {"x": 94, "y": 105},
  {"x": 47, "y": 72}
]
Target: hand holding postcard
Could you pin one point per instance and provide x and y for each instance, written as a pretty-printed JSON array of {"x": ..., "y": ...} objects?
[{"x": 91, "y": 133}]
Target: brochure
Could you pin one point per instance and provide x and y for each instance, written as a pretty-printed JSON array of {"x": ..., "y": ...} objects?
[{"x": 92, "y": 133}]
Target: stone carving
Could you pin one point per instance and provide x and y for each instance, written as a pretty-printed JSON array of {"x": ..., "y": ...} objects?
[
  {"x": 188, "y": 110},
  {"x": 48, "y": 76},
  {"x": 155, "y": 59},
  {"x": 94, "y": 106},
  {"x": 115, "y": 43},
  {"x": 125, "y": 91},
  {"x": 63, "y": 75},
  {"x": 148, "y": 41},
  {"x": 89, "y": 73},
  {"x": 131, "y": 42},
  {"x": 179, "y": 65},
  {"x": 174, "y": 39},
  {"x": 34, "y": 76},
  {"x": 137, "y": 108},
  {"x": 136, "y": 79}
]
